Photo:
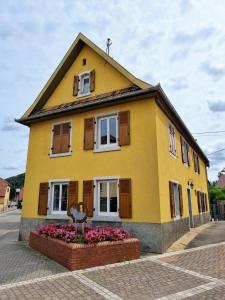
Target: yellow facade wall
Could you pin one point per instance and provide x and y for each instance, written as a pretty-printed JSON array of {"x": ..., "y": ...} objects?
[
  {"x": 137, "y": 161},
  {"x": 171, "y": 168},
  {"x": 107, "y": 78}
]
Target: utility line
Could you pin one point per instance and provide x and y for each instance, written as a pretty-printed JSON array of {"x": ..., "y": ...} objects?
[
  {"x": 206, "y": 132},
  {"x": 216, "y": 151}
]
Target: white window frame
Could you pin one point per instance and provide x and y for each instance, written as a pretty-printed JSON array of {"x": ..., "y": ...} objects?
[
  {"x": 106, "y": 147},
  {"x": 82, "y": 76},
  {"x": 52, "y": 136},
  {"x": 177, "y": 216},
  {"x": 172, "y": 141},
  {"x": 55, "y": 214},
  {"x": 97, "y": 212}
]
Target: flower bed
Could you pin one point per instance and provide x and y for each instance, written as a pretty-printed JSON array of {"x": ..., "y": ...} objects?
[
  {"x": 69, "y": 234},
  {"x": 76, "y": 250}
]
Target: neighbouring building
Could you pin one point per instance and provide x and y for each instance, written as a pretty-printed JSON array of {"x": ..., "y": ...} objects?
[
  {"x": 221, "y": 181},
  {"x": 101, "y": 136},
  {"x": 4, "y": 194}
]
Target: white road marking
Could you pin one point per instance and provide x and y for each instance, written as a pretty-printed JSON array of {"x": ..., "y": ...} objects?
[
  {"x": 191, "y": 292},
  {"x": 96, "y": 287}
]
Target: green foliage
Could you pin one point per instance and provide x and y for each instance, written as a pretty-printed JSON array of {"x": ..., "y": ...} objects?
[
  {"x": 216, "y": 193},
  {"x": 16, "y": 182}
]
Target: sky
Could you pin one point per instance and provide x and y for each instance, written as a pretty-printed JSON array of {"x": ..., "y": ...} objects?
[{"x": 180, "y": 44}]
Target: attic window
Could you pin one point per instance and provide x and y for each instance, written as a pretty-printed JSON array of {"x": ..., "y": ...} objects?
[
  {"x": 84, "y": 61},
  {"x": 84, "y": 84}
]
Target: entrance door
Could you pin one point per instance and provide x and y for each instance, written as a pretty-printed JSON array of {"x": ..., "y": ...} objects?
[{"x": 191, "y": 221}]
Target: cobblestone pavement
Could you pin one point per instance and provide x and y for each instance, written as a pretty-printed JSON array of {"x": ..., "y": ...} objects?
[{"x": 197, "y": 273}]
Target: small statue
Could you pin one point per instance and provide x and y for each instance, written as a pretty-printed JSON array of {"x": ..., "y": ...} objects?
[{"x": 78, "y": 215}]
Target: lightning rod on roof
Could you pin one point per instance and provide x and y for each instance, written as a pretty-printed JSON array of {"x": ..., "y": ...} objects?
[{"x": 108, "y": 44}]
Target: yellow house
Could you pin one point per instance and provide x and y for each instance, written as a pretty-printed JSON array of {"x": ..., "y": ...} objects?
[
  {"x": 99, "y": 135},
  {"x": 4, "y": 194}
]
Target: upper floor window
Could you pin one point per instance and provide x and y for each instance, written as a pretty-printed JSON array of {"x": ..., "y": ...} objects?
[
  {"x": 172, "y": 140},
  {"x": 196, "y": 162},
  {"x": 107, "y": 131},
  {"x": 61, "y": 139},
  {"x": 185, "y": 151}
]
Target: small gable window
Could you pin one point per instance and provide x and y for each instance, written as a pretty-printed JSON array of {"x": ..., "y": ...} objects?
[{"x": 84, "y": 84}]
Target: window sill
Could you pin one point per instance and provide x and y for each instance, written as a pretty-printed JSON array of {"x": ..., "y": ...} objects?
[
  {"x": 186, "y": 165},
  {"x": 58, "y": 217},
  {"x": 106, "y": 219},
  {"x": 61, "y": 154},
  {"x": 117, "y": 148},
  {"x": 83, "y": 95},
  {"x": 173, "y": 155}
]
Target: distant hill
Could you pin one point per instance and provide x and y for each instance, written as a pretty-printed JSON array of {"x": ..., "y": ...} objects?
[{"x": 16, "y": 182}]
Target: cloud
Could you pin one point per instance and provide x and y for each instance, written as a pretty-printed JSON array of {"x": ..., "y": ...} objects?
[
  {"x": 185, "y": 6},
  {"x": 184, "y": 38},
  {"x": 217, "y": 106},
  {"x": 10, "y": 125},
  {"x": 178, "y": 84},
  {"x": 179, "y": 55},
  {"x": 215, "y": 73},
  {"x": 10, "y": 167}
]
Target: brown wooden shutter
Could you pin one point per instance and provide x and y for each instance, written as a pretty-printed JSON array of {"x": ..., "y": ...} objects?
[
  {"x": 203, "y": 202},
  {"x": 75, "y": 85},
  {"x": 92, "y": 80},
  {"x": 206, "y": 203},
  {"x": 89, "y": 133},
  {"x": 181, "y": 200},
  {"x": 65, "y": 137},
  {"x": 72, "y": 195},
  {"x": 182, "y": 148},
  {"x": 125, "y": 208},
  {"x": 56, "y": 143},
  {"x": 172, "y": 204},
  {"x": 199, "y": 201},
  {"x": 198, "y": 164},
  {"x": 124, "y": 128},
  {"x": 43, "y": 199},
  {"x": 188, "y": 155},
  {"x": 88, "y": 196}
]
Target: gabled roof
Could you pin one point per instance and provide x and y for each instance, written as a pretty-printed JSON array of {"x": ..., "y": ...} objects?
[
  {"x": 3, "y": 186},
  {"x": 65, "y": 64}
]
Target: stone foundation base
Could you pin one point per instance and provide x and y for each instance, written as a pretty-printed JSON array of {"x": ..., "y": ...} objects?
[{"x": 154, "y": 237}]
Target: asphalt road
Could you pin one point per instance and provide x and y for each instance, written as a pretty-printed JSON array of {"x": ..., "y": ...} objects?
[{"x": 9, "y": 226}]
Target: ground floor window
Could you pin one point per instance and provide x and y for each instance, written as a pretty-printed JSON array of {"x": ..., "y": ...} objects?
[
  {"x": 59, "y": 197},
  {"x": 107, "y": 197},
  {"x": 176, "y": 201}
]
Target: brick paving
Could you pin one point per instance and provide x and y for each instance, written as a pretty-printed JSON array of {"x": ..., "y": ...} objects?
[
  {"x": 193, "y": 274},
  {"x": 145, "y": 278},
  {"x": 61, "y": 288}
]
